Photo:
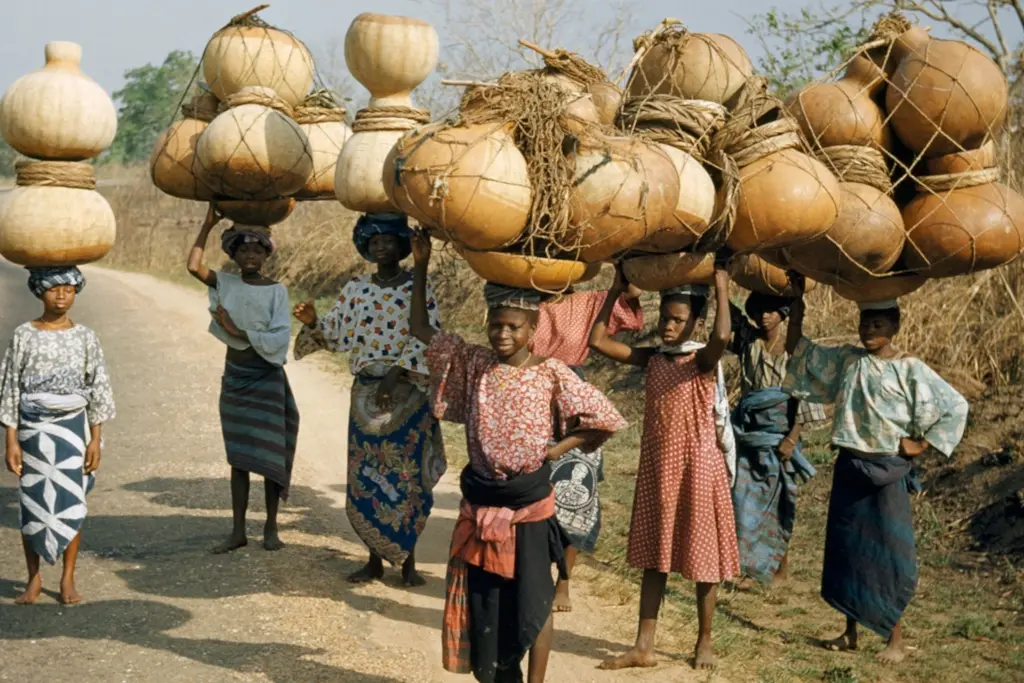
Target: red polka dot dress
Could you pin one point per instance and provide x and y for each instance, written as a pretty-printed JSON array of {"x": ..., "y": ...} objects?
[{"x": 682, "y": 510}]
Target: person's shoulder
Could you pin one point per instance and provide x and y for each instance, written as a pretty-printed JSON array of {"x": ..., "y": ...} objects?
[{"x": 25, "y": 328}]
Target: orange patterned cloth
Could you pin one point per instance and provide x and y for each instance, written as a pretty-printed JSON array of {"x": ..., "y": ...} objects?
[{"x": 484, "y": 537}]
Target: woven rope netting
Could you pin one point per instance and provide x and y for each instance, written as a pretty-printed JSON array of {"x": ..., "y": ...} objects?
[
  {"x": 929, "y": 114},
  {"x": 289, "y": 92},
  {"x": 531, "y": 105}
]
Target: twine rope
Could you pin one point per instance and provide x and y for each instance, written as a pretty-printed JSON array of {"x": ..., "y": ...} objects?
[{"x": 77, "y": 175}]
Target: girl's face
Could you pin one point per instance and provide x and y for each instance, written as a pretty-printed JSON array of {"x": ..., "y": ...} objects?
[
  {"x": 677, "y": 322},
  {"x": 250, "y": 257},
  {"x": 509, "y": 330},
  {"x": 59, "y": 300},
  {"x": 384, "y": 249},
  {"x": 877, "y": 330},
  {"x": 770, "y": 320}
]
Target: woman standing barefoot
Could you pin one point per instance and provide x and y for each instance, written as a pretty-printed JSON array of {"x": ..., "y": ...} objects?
[
  {"x": 388, "y": 498},
  {"x": 54, "y": 399},
  {"x": 258, "y": 415}
]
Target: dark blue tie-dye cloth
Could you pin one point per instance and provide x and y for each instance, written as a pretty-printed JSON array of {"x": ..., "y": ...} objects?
[
  {"x": 764, "y": 496},
  {"x": 870, "y": 569}
]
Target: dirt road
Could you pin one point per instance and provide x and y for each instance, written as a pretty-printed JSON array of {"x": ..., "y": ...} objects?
[{"x": 159, "y": 607}]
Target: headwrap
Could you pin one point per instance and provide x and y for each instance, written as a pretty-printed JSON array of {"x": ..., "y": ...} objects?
[
  {"x": 237, "y": 235},
  {"x": 757, "y": 303},
  {"x": 42, "y": 280},
  {"x": 695, "y": 291},
  {"x": 370, "y": 224},
  {"x": 500, "y": 296},
  {"x": 886, "y": 305}
]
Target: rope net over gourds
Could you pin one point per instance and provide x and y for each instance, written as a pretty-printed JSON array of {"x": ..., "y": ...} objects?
[{"x": 920, "y": 120}]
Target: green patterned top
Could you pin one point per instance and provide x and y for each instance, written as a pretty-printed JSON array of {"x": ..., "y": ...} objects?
[{"x": 877, "y": 401}]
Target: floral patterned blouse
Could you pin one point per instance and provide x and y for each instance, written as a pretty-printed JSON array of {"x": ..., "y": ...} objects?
[
  {"x": 63, "y": 362},
  {"x": 509, "y": 412},
  {"x": 563, "y": 327},
  {"x": 371, "y": 323},
  {"x": 878, "y": 401}
]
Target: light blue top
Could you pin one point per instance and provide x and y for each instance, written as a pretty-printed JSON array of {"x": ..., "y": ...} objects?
[
  {"x": 877, "y": 401},
  {"x": 262, "y": 312}
]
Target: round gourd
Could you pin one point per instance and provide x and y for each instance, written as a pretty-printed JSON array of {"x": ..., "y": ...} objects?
[
  {"x": 251, "y": 151},
  {"x": 946, "y": 97},
  {"x": 840, "y": 113},
  {"x": 43, "y": 225},
  {"x": 866, "y": 240},
  {"x": 752, "y": 272},
  {"x": 172, "y": 165},
  {"x": 325, "y": 137},
  {"x": 607, "y": 98},
  {"x": 358, "y": 177},
  {"x": 526, "y": 272},
  {"x": 242, "y": 56},
  {"x": 964, "y": 230},
  {"x": 390, "y": 56},
  {"x": 469, "y": 183},
  {"x": 962, "y": 162},
  {"x": 693, "y": 211},
  {"x": 694, "y": 66},
  {"x": 785, "y": 198},
  {"x": 58, "y": 112},
  {"x": 624, "y": 189},
  {"x": 265, "y": 213},
  {"x": 880, "y": 288},
  {"x": 659, "y": 272}
]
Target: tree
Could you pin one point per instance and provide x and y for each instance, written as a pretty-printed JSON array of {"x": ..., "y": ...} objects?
[
  {"x": 148, "y": 102},
  {"x": 7, "y": 158}
]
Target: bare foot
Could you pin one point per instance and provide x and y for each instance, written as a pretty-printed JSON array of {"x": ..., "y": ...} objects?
[
  {"x": 371, "y": 572},
  {"x": 562, "y": 602},
  {"x": 781, "y": 577},
  {"x": 632, "y": 659},
  {"x": 32, "y": 591},
  {"x": 704, "y": 655},
  {"x": 892, "y": 654},
  {"x": 233, "y": 543},
  {"x": 271, "y": 541},
  {"x": 844, "y": 643},
  {"x": 68, "y": 594}
]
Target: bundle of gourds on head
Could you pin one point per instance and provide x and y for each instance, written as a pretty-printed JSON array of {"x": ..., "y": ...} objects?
[
  {"x": 871, "y": 181},
  {"x": 60, "y": 119},
  {"x": 255, "y": 135}
]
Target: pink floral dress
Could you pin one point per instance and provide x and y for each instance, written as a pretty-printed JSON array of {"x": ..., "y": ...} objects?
[{"x": 509, "y": 413}]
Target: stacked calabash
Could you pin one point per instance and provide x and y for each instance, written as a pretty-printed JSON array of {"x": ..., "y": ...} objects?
[
  {"x": 532, "y": 184},
  {"x": 769, "y": 193},
  {"x": 255, "y": 139},
  {"x": 390, "y": 56},
  {"x": 60, "y": 118},
  {"x": 921, "y": 114}
]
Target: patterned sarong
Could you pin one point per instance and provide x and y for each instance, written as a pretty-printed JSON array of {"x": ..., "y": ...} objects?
[
  {"x": 53, "y": 481},
  {"x": 259, "y": 420},
  {"x": 575, "y": 477},
  {"x": 395, "y": 458},
  {"x": 764, "y": 496},
  {"x": 870, "y": 572}
]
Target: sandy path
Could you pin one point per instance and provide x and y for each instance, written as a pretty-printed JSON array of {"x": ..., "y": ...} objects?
[{"x": 161, "y": 608}]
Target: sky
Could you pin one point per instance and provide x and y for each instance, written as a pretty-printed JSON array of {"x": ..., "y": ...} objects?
[{"x": 117, "y": 35}]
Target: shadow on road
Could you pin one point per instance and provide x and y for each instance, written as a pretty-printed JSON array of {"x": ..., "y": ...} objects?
[
  {"x": 142, "y": 623},
  {"x": 168, "y": 555}
]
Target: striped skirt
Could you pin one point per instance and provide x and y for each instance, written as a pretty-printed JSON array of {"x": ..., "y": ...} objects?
[{"x": 259, "y": 420}]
